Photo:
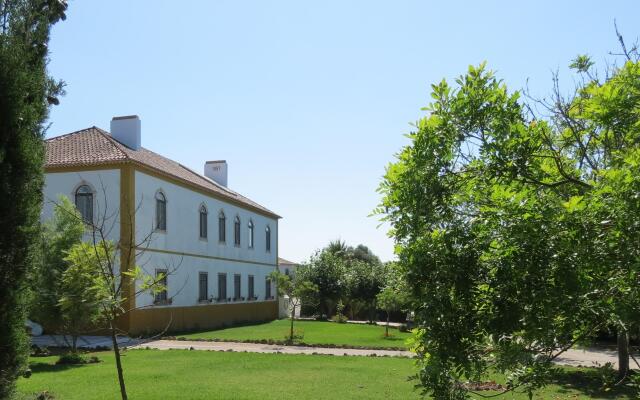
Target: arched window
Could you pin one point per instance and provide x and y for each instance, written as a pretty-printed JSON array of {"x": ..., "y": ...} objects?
[
  {"x": 222, "y": 227},
  {"x": 267, "y": 235},
  {"x": 203, "y": 221},
  {"x": 236, "y": 231},
  {"x": 250, "y": 234},
  {"x": 161, "y": 211},
  {"x": 84, "y": 202}
]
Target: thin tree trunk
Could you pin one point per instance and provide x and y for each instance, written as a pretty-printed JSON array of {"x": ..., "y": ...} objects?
[
  {"x": 386, "y": 329},
  {"x": 116, "y": 351},
  {"x": 623, "y": 353},
  {"x": 293, "y": 313}
]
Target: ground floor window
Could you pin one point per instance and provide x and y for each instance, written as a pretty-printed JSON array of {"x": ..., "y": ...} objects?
[
  {"x": 222, "y": 287},
  {"x": 203, "y": 284},
  {"x": 251, "y": 288},
  {"x": 161, "y": 280},
  {"x": 267, "y": 289},
  {"x": 236, "y": 287}
]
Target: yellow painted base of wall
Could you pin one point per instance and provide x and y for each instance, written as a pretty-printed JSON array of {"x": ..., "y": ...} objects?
[{"x": 209, "y": 316}]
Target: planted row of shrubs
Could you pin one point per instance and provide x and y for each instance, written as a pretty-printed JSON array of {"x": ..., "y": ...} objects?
[{"x": 286, "y": 343}]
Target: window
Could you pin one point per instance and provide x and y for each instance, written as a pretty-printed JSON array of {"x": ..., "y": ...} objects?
[
  {"x": 236, "y": 287},
  {"x": 161, "y": 212},
  {"x": 267, "y": 289},
  {"x": 203, "y": 284},
  {"x": 236, "y": 231},
  {"x": 161, "y": 281},
  {"x": 84, "y": 202},
  {"x": 286, "y": 271},
  {"x": 250, "y": 234},
  {"x": 222, "y": 287},
  {"x": 251, "y": 288},
  {"x": 203, "y": 222},
  {"x": 222, "y": 227},
  {"x": 267, "y": 234}
]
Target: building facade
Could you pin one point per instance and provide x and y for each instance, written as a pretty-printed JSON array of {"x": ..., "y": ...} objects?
[{"x": 215, "y": 246}]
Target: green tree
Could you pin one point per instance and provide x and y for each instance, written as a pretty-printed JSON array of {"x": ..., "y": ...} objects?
[
  {"x": 363, "y": 281},
  {"x": 296, "y": 289},
  {"x": 394, "y": 295},
  {"x": 515, "y": 228},
  {"x": 325, "y": 271},
  {"x": 82, "y": 296},
  {"x": 59, "y": 234},
  {"x": 105, "y": 286},
  {"x": 26, "y": 91}
]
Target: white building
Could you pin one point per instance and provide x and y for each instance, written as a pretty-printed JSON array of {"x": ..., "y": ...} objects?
[
  {"x": 217, "y": 246},
  {"x": 287, "y": 267}
]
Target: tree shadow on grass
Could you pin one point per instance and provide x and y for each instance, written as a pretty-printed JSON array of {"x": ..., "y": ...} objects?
[
  {"x": 41, "y": 367},
  {"x": 589, "y": 381}
]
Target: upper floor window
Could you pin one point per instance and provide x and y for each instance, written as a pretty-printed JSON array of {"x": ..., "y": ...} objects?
[
  {"x": 267, "y": 234},
  {"x": 161, "y": 211},
  {"x": 236, "y": 231},
  {"x": 250, "y": 234},
  {"x": 84, "y": 202},
  {"x": 203, "y": 221},
  {"x": 222, "y": 227}
]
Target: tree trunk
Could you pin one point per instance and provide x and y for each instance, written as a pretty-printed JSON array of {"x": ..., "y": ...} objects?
[
  {"x": 74, "y": 343},
  {"x": 293, "y": 313},
  {"x": 116, "y": 352},
  {"x": 386, "y": 329},
  {"x": 623, "y": 353}
]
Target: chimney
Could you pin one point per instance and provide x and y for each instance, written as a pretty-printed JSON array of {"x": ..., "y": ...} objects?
[
  {"x": 126, "y": 130},
  {"x": 216, "y": 171}
]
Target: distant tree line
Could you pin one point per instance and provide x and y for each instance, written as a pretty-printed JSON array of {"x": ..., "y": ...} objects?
[{"x": 348, "y": 281}]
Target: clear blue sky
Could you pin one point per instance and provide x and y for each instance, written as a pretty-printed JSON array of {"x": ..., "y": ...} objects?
[{"x": 307, "y": 101}]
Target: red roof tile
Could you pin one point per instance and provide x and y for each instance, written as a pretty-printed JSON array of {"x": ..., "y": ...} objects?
[{"x": 94, "y": 146}]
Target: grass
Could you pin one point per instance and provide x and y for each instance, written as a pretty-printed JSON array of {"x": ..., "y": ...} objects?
[
  {"x": 184, "y": 374},
  {"x": 315, "y": 332}
]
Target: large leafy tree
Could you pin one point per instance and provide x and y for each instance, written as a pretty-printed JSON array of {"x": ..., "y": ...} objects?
[
  {"x": 517, "y": 224},
  {"x": 25, "y": 94},
  {"x": 325, "y": 271},
  {"x": 59, "y": 234}
]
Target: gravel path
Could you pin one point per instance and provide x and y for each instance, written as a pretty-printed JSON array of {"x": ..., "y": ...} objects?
[
  {"x": 575, "y": 357},
  {"x": 266, "y": 348}
]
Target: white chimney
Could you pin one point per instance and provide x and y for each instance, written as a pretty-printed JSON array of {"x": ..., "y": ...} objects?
[
  {"x": 216, "y": 171},
  {"x": 126, "y": 130}
]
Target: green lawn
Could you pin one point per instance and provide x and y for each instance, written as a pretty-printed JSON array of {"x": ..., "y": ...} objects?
[
  {"x": 315, "y": 332},
  {"x": 184, "y": 374}
]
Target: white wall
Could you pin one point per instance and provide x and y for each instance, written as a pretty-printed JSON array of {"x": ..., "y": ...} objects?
[
  {"x": 183, "y": 285},
  {"x": 106, "y": 189},
  {"x": 183, "y": 232},
  {"x": 183, "y": 235}
]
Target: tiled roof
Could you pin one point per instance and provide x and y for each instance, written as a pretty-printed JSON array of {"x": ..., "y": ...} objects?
[
  {"x": 282, "y": 261},
  {"x": 94, "y": 146}
]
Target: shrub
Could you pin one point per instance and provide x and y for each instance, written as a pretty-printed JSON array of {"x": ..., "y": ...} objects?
[
  {"x": 75, "y": 358},
  {"x": 340, "y": 317}
]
